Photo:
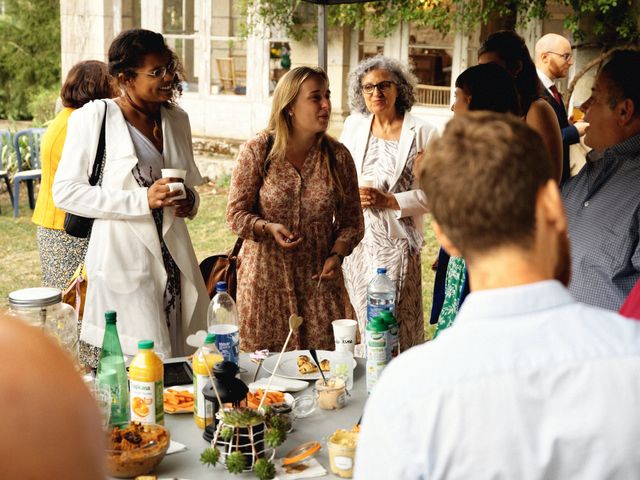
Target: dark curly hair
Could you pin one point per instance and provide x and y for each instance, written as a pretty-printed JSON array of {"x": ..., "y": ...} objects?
[
  {"x": 127, "y": 52},
  {"x": 86, "y": 81},
  {"x": 512, "y": 50}
]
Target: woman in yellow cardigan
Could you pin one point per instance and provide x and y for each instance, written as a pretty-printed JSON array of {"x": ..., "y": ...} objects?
[{"x": 60, "y": 254}]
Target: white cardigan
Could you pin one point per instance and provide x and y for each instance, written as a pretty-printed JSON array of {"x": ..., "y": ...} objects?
[
  {"x": 413, "y": 203},
  {"x": 124, "y": 261}
]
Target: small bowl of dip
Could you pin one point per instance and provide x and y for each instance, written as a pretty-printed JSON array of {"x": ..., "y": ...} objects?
[{"x": 331, "y": 395}]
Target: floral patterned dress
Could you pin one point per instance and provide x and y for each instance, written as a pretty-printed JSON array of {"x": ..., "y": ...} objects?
[
  {"x": 400, "y": 256},
  {"x": 273, "y": 283},
  {"x": 454, "y": 284}
]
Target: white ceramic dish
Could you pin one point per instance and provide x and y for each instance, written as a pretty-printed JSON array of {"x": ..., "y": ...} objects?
[
  {"x": 279, "y": 384},
  {"x": 288, "y": 367}
]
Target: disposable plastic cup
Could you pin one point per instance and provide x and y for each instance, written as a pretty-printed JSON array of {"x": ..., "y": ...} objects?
[
  {"x": 366, "y": 182},
  {"x": 342, "y": 367},
  {"x": 344, "y": 333}
]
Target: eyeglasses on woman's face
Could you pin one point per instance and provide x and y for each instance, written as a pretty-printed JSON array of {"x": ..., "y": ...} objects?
[
  {"x": 158, "y": 73},
  {"x": 382, "y": 87}
]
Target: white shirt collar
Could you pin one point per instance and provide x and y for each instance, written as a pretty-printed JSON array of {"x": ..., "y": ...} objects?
[
  {"x": 508, "y": 302},
  {"x": 546, "y": 81}
]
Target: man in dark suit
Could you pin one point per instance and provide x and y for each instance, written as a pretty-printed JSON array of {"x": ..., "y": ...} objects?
[{"x": 553, "y": 60}]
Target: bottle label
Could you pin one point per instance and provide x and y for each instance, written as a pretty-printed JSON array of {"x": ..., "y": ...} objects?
[
  {"x": 374, "y": 370},
  {"x": 343, "y": 463},
  {"x": 203, "y": 408},
  {"x": 228, "y": 344},
  {"x": 145, "y": 407}
]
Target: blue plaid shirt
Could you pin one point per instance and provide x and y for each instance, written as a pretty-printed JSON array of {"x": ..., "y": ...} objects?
[{"x": 603, "y": 207}]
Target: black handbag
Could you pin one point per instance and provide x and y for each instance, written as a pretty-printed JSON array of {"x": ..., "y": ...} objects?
[{"x": 76, "y": 225}]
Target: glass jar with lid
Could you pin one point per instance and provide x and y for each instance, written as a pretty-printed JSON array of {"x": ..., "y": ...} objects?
[{"x": 42, "y": 307}]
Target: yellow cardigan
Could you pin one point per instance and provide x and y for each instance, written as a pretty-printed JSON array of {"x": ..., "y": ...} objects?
[{"x": 46, "y": 214}]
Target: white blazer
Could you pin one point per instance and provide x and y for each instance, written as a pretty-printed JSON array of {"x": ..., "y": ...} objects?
[
  {"x": 124, "y": 260},
  {"x": 413, "y": 203}
]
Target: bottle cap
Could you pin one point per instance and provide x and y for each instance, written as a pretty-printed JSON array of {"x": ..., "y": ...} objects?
[
  {"x": 145, "y": 345},
  {"x": 211, "y": 338},
  {"x": 377, "y": 324},
  {"x": 381, "y": 270},
  {"x": 221, "y": 287},
  {"x": 388, "y": 317},
  {"x": 110, "y": 316}
]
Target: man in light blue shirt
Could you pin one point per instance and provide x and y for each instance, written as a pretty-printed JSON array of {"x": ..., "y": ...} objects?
[{"x": 528, "y": 383}]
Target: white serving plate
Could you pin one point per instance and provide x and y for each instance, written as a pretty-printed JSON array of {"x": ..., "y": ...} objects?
[{"x": 288, "y": 367}]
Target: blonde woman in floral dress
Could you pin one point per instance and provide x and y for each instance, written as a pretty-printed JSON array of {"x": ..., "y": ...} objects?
[{"x": 294, "y": 199}]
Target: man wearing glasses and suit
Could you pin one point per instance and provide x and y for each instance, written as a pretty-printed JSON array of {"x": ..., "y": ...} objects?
[{"x": 553, "y": 60}]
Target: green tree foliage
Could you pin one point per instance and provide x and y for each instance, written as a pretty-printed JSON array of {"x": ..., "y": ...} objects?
[
  {"x": 607, "y": 20},
  {"x": 29, "y": 55}
]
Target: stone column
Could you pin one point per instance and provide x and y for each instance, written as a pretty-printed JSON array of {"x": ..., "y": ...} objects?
[{"x": 86, "y": 30}]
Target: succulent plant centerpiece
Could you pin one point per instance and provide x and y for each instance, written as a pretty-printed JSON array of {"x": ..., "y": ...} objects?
[{"x": 245, "y": 441}]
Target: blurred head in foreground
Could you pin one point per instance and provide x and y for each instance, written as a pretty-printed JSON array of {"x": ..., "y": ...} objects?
[
  {"x": 491, "y": 192},
  {"x": 50, "y": 425}
]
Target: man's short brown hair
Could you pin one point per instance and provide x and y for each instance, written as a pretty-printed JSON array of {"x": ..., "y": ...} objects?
[{"x": 482, "y": 178}]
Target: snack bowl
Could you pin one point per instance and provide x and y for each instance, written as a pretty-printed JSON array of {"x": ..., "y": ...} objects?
[{"x": 136, "y": 449}]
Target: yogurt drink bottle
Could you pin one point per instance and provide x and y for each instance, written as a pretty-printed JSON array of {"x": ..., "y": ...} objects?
[{"x": 377, "y": 350}]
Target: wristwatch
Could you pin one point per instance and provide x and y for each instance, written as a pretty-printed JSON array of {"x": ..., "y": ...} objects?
[{"x": 336, "y": 254}]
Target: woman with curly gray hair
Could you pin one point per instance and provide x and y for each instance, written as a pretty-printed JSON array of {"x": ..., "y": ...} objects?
[{"x": 385, "y": 141}]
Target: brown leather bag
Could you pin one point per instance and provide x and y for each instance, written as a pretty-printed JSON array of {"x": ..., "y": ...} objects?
[{"x": 222, "y": 267}]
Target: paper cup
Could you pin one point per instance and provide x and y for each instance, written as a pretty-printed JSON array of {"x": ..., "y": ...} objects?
[
  {"x": 177, "y": 186},
  {"x": 366, "y": 182},
  {"x": 174, "y": 173},
  {"x": 344, "y": 333}
]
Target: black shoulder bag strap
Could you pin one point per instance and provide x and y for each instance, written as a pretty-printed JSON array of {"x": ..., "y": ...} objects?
[
  {"x": 98, "y": 163},
  {"x": 76, "y": 225}
]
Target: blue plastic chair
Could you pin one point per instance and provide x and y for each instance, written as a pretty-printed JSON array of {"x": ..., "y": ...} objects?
[
  {"x": 34, "y": 136},
  {"x": 5, "y": 147}
]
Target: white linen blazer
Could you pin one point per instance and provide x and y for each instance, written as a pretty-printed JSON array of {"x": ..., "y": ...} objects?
[
  {"x": 124, "y": 262},
  {"x": 413, "y": 203}
]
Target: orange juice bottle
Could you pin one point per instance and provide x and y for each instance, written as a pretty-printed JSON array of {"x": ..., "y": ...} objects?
[
  {"x": 203, "y": 362},
  {"x": 146, "y": 385}
]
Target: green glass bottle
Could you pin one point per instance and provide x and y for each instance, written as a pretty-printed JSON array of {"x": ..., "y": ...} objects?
[{"x": 112, "y": 372}]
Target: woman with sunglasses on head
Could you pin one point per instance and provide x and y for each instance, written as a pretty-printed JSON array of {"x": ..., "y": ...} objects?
[
  {"x": 140, "y": 260},
  {"x": 386, "y": 141},
  {"x": 294, "y": 199}
]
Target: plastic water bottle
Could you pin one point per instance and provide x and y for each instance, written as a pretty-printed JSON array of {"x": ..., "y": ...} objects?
[
  {"x": 111, "y": 372},
  {"x": 392, "y": 334},
  {"x": 222, "y": 319},
  {"x": 381, "y": 295},
  {"x": 377, "y": 350}
]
